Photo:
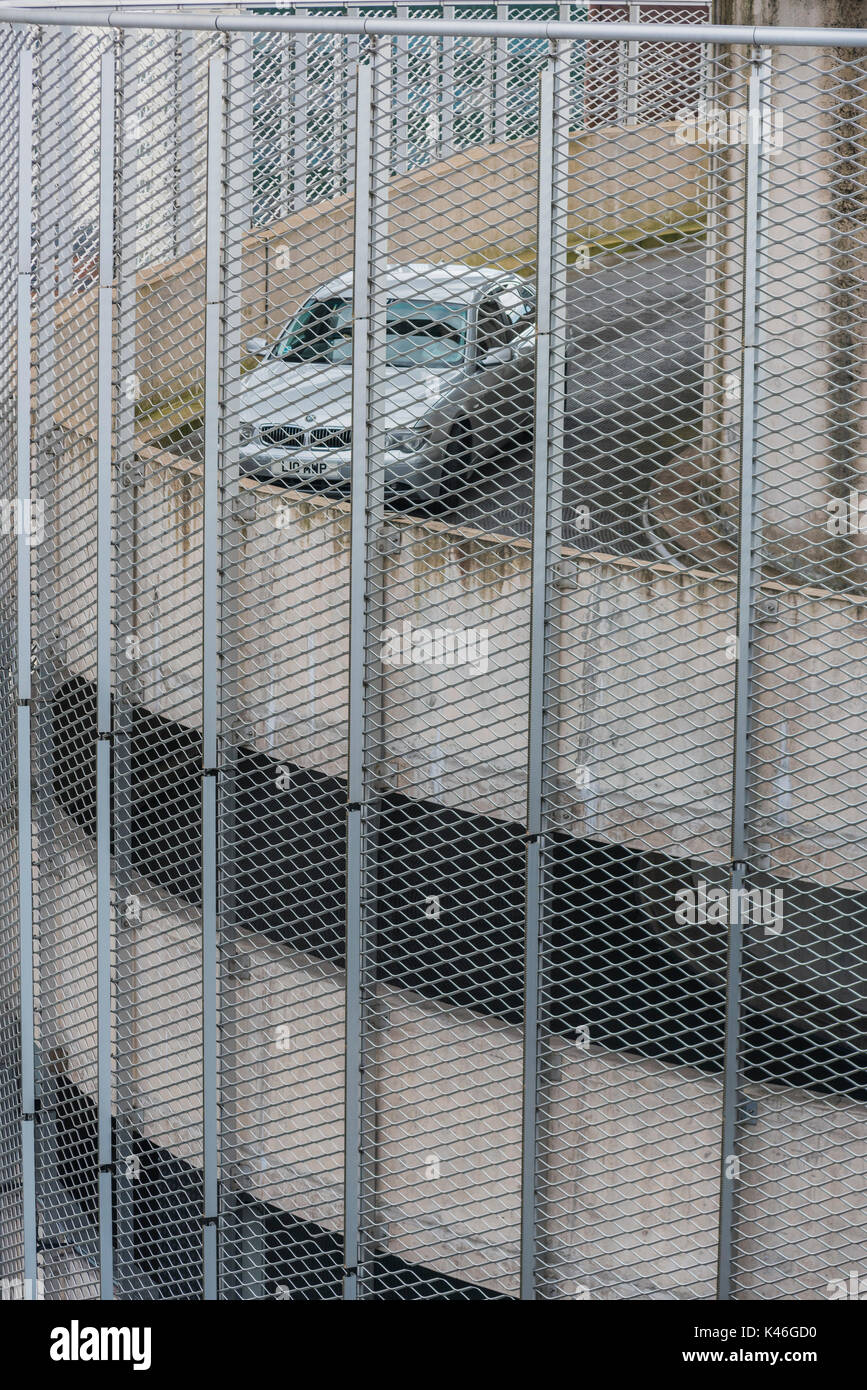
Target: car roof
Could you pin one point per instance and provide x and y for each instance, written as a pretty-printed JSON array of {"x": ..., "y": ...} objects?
[{"x": 436, "y": 282}]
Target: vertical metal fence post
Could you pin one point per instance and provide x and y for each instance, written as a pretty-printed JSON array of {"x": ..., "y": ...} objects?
[
  {"x": 632, "y": 70},
  {"x": 298, "y": 108},
  {"x": 214, "y": 216},
  {"x": 501, "y": 79},
  {"x": 127, "y": 544},
  {"x": 242, "y": 1276},
  {"x": 25, "y": 847},
  {"x": 357, "y": 654},
  {"x": 748, "y": 548},
  {"x": 373, "y": 119},
  {"x": 565, "y": 93},
  {"x": 104, "y": 730},
  {"x": 546, "y": 543},
  {"x": 185, "y": 124},
  {"x": 52, "y": 244},
  {"x": 352, "y": 50},
  {"x": 126, "y": 540},
  {"x": 51, "y": 265},
  {"x": 445, "y": 90},
  {"x": 401, "y": 91}
]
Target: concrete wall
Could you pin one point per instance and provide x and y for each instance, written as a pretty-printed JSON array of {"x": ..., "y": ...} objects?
[
  {"x": 646, "y": 685},
  {"x": 629, "y": 1183},
  {"x": 812, "y": 365}
]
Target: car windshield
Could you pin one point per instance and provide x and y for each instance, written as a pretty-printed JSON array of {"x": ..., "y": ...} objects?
[{"x": 418, "y": 333}]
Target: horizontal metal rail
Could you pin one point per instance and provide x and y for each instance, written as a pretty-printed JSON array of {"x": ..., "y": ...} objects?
[
  {"x": 552, "y": 30},
  {"x": 476, "y": 5},
  {"x": 191, "y": 5}
]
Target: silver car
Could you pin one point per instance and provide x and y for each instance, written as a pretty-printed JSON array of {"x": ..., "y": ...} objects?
[{"x": 443, "y": 323}]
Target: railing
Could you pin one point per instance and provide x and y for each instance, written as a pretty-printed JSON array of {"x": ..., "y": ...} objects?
[{"x": 436, "y": 857}]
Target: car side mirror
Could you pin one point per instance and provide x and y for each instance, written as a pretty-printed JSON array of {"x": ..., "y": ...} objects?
[
  {"x": 496, "y": 356},
  {"x": 256, "y": 347}
]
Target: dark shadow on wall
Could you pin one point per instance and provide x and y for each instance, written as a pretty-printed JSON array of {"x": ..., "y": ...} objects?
[
  {"x": 449, "y": 893},
  {"x": 162, "y": 1230}
]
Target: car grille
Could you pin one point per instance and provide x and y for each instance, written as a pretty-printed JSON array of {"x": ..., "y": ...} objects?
[
  {"x": 283, "y": 436},
  {"x": 326, "y": 438},
  {"x": 293, "y": 437}
]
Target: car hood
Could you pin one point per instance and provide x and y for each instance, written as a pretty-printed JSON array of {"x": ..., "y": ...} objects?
[{"x": 312, "y": 394}]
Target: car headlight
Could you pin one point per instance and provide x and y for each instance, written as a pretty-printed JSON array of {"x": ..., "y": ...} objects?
[
  {"x": 404, "y": 441},
  {"x": 246, "y": 433}
]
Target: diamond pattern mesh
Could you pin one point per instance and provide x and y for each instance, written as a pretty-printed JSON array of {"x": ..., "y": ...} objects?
[
  {"x": 471, "y": 908},
  {"x": 11, "y": 1197}
]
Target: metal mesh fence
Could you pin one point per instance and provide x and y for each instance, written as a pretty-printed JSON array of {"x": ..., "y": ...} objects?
[
  {"x": 433, "y": 531},
  {"x": 13, "y": 1137}
]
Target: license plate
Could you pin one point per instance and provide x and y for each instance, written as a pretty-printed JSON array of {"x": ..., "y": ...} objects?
[{"x": 306, "y": 465}]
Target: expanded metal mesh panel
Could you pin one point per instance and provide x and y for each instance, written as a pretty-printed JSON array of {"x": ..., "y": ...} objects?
[
  {"x": 158, "y": 997},
  {"x": 626, "y": 82},
  {"x": 11, "y": 1203},
  {"x": 797, "y": 1224},
  {"x": 65, "y": 209},
  {"x": 631, "y": 1047},
  {"x": 283, "y": 732},
  {"x": 446, "y": 659}
]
